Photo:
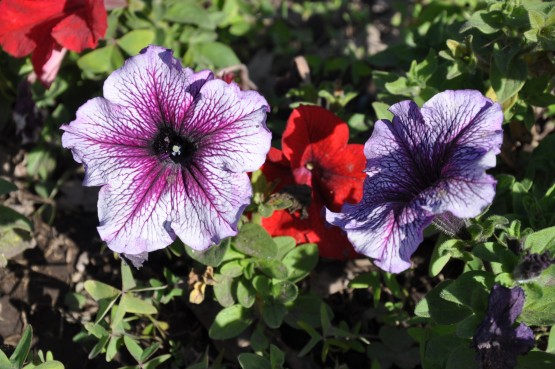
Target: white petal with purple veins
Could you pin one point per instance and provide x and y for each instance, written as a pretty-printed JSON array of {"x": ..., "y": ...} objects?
[
  {"x": 171, "y": 149},
  {"x": 425, "y": 162}
]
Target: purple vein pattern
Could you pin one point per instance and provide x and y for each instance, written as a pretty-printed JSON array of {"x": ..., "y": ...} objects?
[
  {"x": 170, "y": 149},
  {"x": 497, "y": 341},
  {"x": 424, "y": 163}
]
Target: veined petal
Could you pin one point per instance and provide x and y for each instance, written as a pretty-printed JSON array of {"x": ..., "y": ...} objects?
[
  {"x": 206, "y": 203},
  {"x": 425, "y": 162},
  {"x": 230, "y": 126},
  {"x": 465, "y": 189},
  {"x": 154, "y": 87},
  {"x": 104, "y": 138},
  {"x": 464, "y": 118},
  {"x": 133, "y": 211},
  {"x": 382, "y": 229}
]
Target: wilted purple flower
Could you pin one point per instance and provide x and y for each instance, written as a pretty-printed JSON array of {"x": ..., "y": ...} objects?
[
  {"x": 499, "y": 343},
  {"x": 425, "y": 163},
  {"x": 171, "y": 149}
]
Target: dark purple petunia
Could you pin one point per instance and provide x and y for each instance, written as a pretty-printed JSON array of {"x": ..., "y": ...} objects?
[
  {"x": 170, "y": 149},
  {"x": 425, "y": 163},
  {"x": 497, "y": 341}
]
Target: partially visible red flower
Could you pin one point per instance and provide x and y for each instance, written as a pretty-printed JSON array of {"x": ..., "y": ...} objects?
[
  {"x": 43, "y": 27},
  {"x": 316, "y": 154}
]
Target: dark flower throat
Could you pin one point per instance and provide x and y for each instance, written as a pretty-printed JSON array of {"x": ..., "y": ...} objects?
[{"x": 168, "y": 144}]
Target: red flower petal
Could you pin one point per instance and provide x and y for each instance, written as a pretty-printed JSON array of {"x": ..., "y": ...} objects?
[
  {"x": 277, "y": 168},
  {"x": 24, "y": 24},
  {"x": 41, "y": 26},
  {"x": 332, "y": 242},
  {"x": 341, "y": 179},
  {"x": 311, "y": 132},
  {"x": 315, "y": 153}
]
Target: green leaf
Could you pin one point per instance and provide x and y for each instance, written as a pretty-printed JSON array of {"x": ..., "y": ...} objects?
[
  {"x": 96, "y": 330},
  {"x": 223, "y": 290},
  {"x": 213, "y": 256},
  {"x": 285, "y": 291},
  {"x": 149, "y": 351},
  {"x": 277, "y": 357},
  {"x": 101, "y": 291},
  {"x": 262, "y": 285},
  {"x": 436, "y": 351},
  {"x": 246, "y": 294},
  {"x": 134, "y": 41},
  {"x": 259, "y": 341},
  {"x": 232, "y": 269},
  {"x": 4, "y": 361},
  {"x": 253, "y": 240},
  {"x": 304, "y": 309},
  {"x": 133, "y": 348},
  {"x": 284, "y": 245},
  {"x": 382, "y": 110},
  {"x": 541, "y": 241},
  {"x": 22, "y": 349},
  {"x": 506, "y": 85},
  {"x": 253, "y": 361},
  {"x": 480, "y": 21},
  {"x": 214, "y": 54},
  {"x": 54, "y": 364},
  {"x": 154, "y": 363},
  {"x": 230, "y": 322},
  {"x": 127, "y": 280},
  {"x": 551, "y": 341},
  {"x": 536, "y": 360},
  {"x": 273, "y": 269},
  {"x": 189, "y": 12},
  {"x": 133, "y": 305},
  {"x": 273, "y": 313},
  {"x": 100, "y": 345},
  {"x": 315, "y": 337},
  {"x": 440, "y": 310},
  {"x": 470, "y": 288},
  {"x": 540, "y": 299},
  {"x": 41, "y": 162},
  {"x": 462, "y": 357},
  {"x": 11, "y": 219},
  {"x": 112, "y": 348},
  {"x": 443, "y": 251},
  {"x": 300, "y": 261},
  {"x": 102, "y": 60},
  {"x": 496, "y": 253},
  {"x": 536, "y": 18},
  {"x": 6, "y": 187},
  {"x": 136, "y": 305}
]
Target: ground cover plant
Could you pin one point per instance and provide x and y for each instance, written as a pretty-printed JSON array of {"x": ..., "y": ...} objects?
[{"x": 263, "y": 184}]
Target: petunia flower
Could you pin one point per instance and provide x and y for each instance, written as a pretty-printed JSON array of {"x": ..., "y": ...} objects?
[
  {"x": 171, "y": 149},
  {"x": 425, "y": 163},
  {"x": 497, "y": 341},
  {"x": 45, "y": 28},
  {"x": 315, "y": 156}
]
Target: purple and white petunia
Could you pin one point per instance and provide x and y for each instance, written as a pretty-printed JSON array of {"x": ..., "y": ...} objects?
[
  {"x": 425, "y": 163},
  {"x": 170, "y": 149},
  {"x": 497, "y": 341}
]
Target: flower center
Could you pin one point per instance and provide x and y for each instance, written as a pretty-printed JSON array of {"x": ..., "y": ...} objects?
[
  {"x": 170, "y": 145},
  {"x": 309, "y": 166}
]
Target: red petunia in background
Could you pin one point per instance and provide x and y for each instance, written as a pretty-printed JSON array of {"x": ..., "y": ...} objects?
[
  {"x": 46, "y": 28},
  {"x": 315, "y": 154}
]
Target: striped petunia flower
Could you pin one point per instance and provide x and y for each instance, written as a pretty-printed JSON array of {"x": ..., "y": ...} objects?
[
  {"x": 424, "y": 163},
  {"x": 171, "y": 149}
]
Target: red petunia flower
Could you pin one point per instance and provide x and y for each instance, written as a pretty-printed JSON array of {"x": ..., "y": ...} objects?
[
  {"x": 316, "y": 154},
  {"x": 44, "y": 28}
]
